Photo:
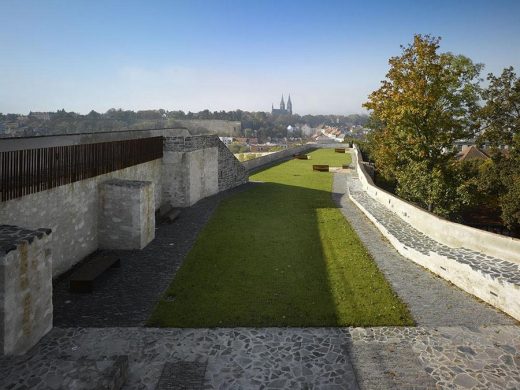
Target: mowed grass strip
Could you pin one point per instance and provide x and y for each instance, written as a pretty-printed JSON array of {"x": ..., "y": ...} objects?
[{"x": 280, "y": 254}]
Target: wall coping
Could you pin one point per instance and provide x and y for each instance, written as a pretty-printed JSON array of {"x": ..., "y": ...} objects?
[
  {"x": 446, "y": 232},
  {"x": 44, "y": 141}
]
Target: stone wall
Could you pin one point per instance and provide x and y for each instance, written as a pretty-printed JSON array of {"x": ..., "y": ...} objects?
[
  {"x": 230, "y": 171},
  {"x": 71, "y": 212},
  {"x": 193, "y": 167},
  {"x": 257, "y": 163},
  {"x": 25, "y": 288},
  {"x": 446, "y": 232},
  {"x": 126, "y": 214}
]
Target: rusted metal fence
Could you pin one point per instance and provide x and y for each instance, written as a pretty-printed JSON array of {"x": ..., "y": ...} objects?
[{"x": 24, "y": 172}]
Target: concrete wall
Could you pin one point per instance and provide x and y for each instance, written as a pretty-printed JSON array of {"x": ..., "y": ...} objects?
[
  {"x": 211, "y": 126},
  {"x": 25, "y": 288},
  {"x": 257, "y": 163},
  {"x": 441, "y": 230},
  {"x": 71, "y": 211}
]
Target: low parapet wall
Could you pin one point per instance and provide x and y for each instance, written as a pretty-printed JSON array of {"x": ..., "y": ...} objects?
[
  {"x": 257, "y": 163},
  {"x": 446, "y": 232}
]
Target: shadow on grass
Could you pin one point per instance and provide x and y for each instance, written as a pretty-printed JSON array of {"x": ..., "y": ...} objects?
[{"x": 278, "y": 255}]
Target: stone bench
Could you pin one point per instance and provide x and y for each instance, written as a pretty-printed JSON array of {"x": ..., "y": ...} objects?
[
  {"x": 82, "y": 280},
  {"x": 320, "y": 168}
]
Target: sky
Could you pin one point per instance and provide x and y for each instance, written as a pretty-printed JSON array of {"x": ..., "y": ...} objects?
[{"x": 192, "y": 55}]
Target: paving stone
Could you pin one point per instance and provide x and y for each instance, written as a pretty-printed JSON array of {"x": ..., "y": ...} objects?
[{"x": 182, "y": 375}]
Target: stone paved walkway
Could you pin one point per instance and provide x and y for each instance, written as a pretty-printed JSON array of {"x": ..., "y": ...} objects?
[{"x": 289, "y": 358}]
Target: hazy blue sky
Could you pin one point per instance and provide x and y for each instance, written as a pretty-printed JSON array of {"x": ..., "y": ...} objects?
[{"x": 191, "y": 55}]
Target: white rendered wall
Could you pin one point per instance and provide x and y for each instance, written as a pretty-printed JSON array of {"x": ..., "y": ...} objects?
[{"x": 446, "y": 232}]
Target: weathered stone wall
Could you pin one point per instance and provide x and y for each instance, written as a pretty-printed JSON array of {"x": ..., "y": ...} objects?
[
  {"x": 25, "y": 288},
  {"x": 71, "y": 211},
  {"x": 126, "y": 214},
  {"x": 449, "y": 233},
  {"x": 259, "y": 162},
  {"x": 177, "y": 155}
]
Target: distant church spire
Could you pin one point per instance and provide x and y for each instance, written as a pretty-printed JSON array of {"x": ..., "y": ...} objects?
[
  {"x": 284, "y": 109},
  {"x": 282, "y": 104}
]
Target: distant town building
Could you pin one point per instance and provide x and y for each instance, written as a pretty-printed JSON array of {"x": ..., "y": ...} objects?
[
  {"x": 246, "y": 141},
  {"x": 283, "y": 110},
  {"x": 44, "y": 116},
  {"x": 472, "y": 153},
  {"x": 226, "y": 140}
]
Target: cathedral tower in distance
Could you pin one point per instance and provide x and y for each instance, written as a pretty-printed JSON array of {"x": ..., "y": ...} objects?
[{"x": 283, "y": 110}]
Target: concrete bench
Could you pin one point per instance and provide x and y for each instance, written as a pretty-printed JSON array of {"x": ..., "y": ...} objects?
[
  {"x": 82, "y": 280},
  {"x": 320, "y": 168},
  {"x": 302, "y": 156}
]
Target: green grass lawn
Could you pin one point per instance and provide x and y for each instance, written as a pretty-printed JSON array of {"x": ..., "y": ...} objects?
[{"x": 280, "y": 254}]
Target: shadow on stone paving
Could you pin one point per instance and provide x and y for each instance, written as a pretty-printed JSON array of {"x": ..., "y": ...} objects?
[{"x": 126, "y": 296}]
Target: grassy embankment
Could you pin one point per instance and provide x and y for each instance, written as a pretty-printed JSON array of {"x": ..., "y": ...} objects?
[{"x": 281, "y": 254}]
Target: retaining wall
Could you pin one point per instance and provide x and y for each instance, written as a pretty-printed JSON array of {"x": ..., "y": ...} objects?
[
  {"x": 259, "y": 162},
  {"x": 71, "y": 212},
  {"x": 441, "y": 230}
]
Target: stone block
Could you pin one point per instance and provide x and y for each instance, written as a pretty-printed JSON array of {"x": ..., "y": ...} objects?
[
  {"x": 189, "y": 176},
  {"x": 25, "y": 288},
  {"x": 126, "y": 214}
]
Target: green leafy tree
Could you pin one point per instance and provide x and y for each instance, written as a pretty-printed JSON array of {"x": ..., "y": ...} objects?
[
  {"x": 500, "y": 121},
  {"x": 427, "y": 101}
]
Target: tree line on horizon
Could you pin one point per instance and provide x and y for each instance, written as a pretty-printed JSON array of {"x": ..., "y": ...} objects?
[
  {"x": 427, "y": 102},
  {"x": 259, "y": 124}
]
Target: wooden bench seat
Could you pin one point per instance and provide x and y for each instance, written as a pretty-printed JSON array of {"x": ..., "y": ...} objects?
[
  {"x": 302, "y": 156},
  {"x": 340, "y": 150},
  {"x": 320, "y": 168},
  {"x": 82, "y": 279}
]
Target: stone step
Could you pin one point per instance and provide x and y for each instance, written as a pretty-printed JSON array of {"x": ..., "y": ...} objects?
[{"x": 68, "y": 373}]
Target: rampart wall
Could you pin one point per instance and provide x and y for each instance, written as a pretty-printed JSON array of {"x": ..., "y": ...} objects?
[
  {"x": 441, "y": 230},
  {"x": 257, "y": 163},
  {"x": 71, "y": 212}
]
